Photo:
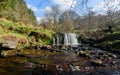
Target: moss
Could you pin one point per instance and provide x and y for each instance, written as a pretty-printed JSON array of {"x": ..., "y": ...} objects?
[
  {"x": 84, "y": 53},
  {"x": 116, "y": 45}
]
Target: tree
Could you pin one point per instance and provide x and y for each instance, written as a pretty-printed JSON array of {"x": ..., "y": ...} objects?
[
  {"x": 67, "y": 20},
  {"x": 110, "y": 16},
  {"x": 52, "y": 17}
]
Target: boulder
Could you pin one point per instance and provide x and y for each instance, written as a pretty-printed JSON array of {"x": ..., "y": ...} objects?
[
  {"x": 9, "y": 45},
  {"x": 96, "y": 62},
  {"x": 46, "y": 47},
  {"x": 112, "y": 55},
  {"x": 84, "y": 53},
  {"x": 63, "y": 48}
]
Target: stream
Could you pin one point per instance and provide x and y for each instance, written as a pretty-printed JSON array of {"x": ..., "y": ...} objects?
[
  {"x": 66, "y": 57},
  {"x": 62, "y": 62}
]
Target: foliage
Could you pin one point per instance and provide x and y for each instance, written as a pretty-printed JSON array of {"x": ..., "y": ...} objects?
[
  {"x": 111, "y": 37},
  {"x": 110, "y": 42},
  {"x": 25, "y": 34},
  {"x": 116, "y": 45},
  {"x": 16, "y": 10}
]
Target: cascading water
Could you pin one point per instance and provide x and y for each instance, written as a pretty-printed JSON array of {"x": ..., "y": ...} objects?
[
  {"x": 68, "y": 39},
  {"x": 58, "y": 41}
]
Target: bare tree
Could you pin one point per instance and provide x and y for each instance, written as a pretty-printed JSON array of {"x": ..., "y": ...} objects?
[
  {"x": 67, "y": 20},
  {"x": 52, "y": 18},
  {"x": 110, "y": 16}
]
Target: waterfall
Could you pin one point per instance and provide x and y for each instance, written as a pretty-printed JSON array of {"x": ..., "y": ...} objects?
[
  {"x": 58, "y": 42},
  {"x": 67, "y": 39},
  {"x": 54, "y": 41},
  {"x": 70, "y": 39}
]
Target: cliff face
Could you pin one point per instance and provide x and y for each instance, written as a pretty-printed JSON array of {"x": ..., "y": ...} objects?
[{"x": 16, "y": 10}]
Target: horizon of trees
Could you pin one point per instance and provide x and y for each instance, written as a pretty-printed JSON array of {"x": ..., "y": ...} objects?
[{"x": 72, "y": 21}]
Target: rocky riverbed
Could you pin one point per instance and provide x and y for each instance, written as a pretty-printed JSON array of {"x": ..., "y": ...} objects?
[{"x": 62, "y": 61}]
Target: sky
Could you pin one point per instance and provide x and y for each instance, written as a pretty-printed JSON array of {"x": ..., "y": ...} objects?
[{"x": 39, "y": 7}]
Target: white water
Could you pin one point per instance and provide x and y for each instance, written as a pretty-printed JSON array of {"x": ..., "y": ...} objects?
[
  {"x": 70, "y": 39},
  {"x": 54, "y": 41}
]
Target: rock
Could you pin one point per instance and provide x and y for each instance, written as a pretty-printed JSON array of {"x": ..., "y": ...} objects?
[
  {"x": 49, "y": 47},
  {"x": 74, "y": 68},
  {"x": 84, "y": 53},
  {"x": 64, "y": 48},
  {"x": 77, "y": 68},
  {"x": 112, "y": 55},
  {"x": 46, "y": 47},
  {"x": 9, "y": 45},
  {"x": 6, "y": 53},
  {"x": 29, "y": 65},
  {"x": 96, "y": 62}
]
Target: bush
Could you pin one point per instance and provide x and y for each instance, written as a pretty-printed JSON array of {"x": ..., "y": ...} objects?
[
  {"x": 116, "y": 45},
  {"x": 111, "y": 37},
  {"x": 104, "y": 45}
]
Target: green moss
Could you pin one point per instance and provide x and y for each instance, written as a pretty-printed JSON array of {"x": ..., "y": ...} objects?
[
  {"x": 116, "y": 45},
  {"x": 34, "y": 36}
]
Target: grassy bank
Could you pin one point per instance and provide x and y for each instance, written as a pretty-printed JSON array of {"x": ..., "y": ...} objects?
[{"x": 24, "y": 35}]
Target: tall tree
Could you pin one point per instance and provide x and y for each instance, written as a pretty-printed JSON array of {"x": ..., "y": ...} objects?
[
  {"x": 67, "y": 19},
  {"x": 110, "y": 17}
]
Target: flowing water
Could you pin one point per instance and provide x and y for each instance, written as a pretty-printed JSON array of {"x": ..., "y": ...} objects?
[
  {"x": 70, "y": 39},
  {"x": 22, "y": 65}
]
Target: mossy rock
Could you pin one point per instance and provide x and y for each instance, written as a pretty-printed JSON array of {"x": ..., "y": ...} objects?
[
  {"x": 84, "y": 53},
  {"x": 6, "y": 53}
]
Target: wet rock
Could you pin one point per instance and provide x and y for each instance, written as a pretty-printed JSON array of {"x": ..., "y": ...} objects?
[
  {"x": 84, "y": 53},
  {"x": 6, "y": 53},
  {"x": 19, "y": 61},
  {"x": 96, "y": 62},
  {"x": 59, "y": 68},
  {"x": 87, "y": 68},
  {"x": 77, "y": 68},
  {"x": 74, "y": 67},
  {"x": 64, "y": 48},
  {"x": 29, "y": 65},
  {"x": 112, "y": 55},
  {"x": 46, "y": 47},
  {"x": 9, "y": 45}
]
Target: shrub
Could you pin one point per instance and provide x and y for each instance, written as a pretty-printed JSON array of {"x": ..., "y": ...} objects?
[
  {"x": 116, "y": 44},
  {"x": 111, "y": 37}
]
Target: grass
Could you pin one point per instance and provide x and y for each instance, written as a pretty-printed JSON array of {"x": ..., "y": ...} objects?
[{"x": 19, "y": 30}]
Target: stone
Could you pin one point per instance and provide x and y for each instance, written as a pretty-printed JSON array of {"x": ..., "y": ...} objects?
[
  {"x": 84, "y": 53},
  {"x": 96, "y": 62},
  {"x": 29, "y": 65},
  {"x": 9, "y": 45},
  {"x": 77, "y": 68},
  {"x": 64, "y": 48},
  {"x": 6, "y": 53},
  {"x": 46, "y": 47}
]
